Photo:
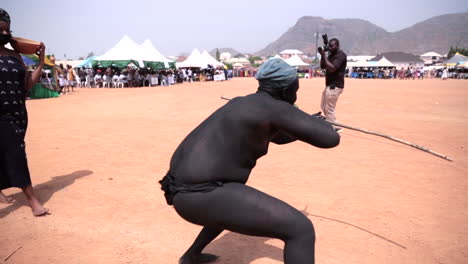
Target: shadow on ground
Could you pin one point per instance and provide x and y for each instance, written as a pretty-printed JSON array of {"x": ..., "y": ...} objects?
[{"x": 44, "y": 191}]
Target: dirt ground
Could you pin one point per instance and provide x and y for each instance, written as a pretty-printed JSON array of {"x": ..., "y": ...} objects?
[{"x": 96, "y": 155}]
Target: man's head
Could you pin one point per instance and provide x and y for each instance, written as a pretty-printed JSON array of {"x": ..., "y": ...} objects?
[
  {"x": 334, "y": 45},
  {"x": 278, "y": 79}
]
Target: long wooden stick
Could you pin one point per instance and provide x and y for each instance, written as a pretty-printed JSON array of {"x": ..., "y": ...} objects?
[
  {"x": 11, "y": 254},
  {"x": 385, "y": 136}
]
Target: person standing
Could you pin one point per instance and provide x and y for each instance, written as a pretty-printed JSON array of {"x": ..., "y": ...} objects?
[
  {"x": 70, "y": 78},
  {"x": 335, "y": 67},
  {"x": 15, "y": 82},
  {"x": 444, "y": 74}
]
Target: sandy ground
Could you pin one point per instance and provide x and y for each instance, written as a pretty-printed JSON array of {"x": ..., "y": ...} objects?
[{"x": 96, "y": 155}]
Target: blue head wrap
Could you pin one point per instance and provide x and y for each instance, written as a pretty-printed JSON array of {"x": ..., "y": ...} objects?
[{"x": 276, "y": 74}]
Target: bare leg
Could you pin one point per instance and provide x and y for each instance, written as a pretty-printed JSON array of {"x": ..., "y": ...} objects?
[
  {"x": 5, "y": 199},
  {"x": 36, "y": 206},
  {"x": 193, "y": 254}
]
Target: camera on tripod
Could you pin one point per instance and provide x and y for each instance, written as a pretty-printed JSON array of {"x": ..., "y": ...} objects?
[{"x": 325, "y": 42}]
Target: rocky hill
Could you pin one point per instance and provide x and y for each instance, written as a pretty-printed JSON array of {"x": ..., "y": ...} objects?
[{"x": 360, "y": 37}]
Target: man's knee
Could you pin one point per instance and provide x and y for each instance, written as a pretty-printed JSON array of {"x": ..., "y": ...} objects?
[{"x": 301, "y": 228}]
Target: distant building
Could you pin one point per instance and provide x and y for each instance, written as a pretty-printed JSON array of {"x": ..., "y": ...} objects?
[
  {"x": 431, "y": 57},
  {"x": 401, "y": 60},
  {"x": 288, "y": 53},
  {"x": 225, "y": 56}
]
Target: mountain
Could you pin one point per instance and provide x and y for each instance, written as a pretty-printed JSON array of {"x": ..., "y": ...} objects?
[
  {"x": 434, "y": 34},
  {"x": 360, "y": 37}
]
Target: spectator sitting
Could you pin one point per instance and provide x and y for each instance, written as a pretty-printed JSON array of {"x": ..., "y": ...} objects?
[
  {"x": 98, "y": 79},
  {"x": 115, "y": 79},
  {"x": 123, "y": 79}
]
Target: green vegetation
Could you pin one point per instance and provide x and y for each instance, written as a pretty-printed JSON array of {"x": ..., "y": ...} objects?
[
  {"x": 253, "y": 61},
  {"x": 452, "y": 52}
]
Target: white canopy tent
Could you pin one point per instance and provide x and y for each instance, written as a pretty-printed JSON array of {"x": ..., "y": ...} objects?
[
  {"x": 127, "y": 51},
  {"x": 383, "y": 62},
  {"x": 291, "y": 52},
  {"x": 194, "y": 60},
  {"x": 431, "y": 54},
  {"x": 295, "y": 61},
  {"x": 210, "y": 60},
  {"x": 149, "y": 54},
  {"x": 122, "y": 54}
]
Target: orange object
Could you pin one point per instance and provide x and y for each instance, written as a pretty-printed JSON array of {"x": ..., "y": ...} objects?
[{"x": 25, "y": 46}]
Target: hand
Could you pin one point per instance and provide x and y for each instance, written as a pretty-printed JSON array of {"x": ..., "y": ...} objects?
[
  {"x": 319, "y": 115},
  {"x": 41, "y": 53},
  {"x": 321, "y": 51}
]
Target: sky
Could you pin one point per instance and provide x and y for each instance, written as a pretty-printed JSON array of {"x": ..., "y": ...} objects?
[{"x": 73, "y": 29}]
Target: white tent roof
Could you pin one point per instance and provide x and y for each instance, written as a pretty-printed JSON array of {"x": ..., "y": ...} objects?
[
  {"x": 194, "y": 60},
  {"x": 431, "y": 54},
  {"x": 383, "y": 62},
  {"x": 210, "y": 60},
  {"x": 360, "y": 58},
  {"x": 296, "y": 61},
  {"x": 362, "y": 63},
  {"x": 125, "y": 49},
  {"x": 291, "y": 51},
  {"x": 149, "y": 53},
  {"x": 199, "y": 60},
  {"x": 277, "y": 56}
]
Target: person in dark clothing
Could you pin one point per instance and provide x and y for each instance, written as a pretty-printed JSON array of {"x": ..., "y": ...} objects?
[
  {"x": 335, "y": 65},
  {"x": 15, "y": 82},
  {"x": 209, "y": 169}
]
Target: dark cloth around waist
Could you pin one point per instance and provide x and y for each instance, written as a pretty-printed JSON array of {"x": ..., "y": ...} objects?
[
  {"x": 14, "y": 171},
  {"x": 171, "y": 186}
]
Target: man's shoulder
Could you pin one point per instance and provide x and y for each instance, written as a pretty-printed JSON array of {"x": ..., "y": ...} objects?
[
  {"x": 341, "y": 53},
  {"x": 258, "y": 100}
]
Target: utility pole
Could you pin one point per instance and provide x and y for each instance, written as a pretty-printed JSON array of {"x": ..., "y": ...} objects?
[{"x": 316, "y": 47}]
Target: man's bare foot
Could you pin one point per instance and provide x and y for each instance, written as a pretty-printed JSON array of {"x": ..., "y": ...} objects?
[
  {"x": 198, "y": 259},
  {"x": 37, "y": 208},
  {"x": 41, "y": 212},
  {"x": 5, "y": 199}
]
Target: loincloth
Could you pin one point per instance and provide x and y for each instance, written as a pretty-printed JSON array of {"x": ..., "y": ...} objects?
[{"x": 171, "y": 186}]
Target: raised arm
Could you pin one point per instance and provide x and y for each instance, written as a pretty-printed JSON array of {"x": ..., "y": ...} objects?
[{"x": 33, "y": 77}]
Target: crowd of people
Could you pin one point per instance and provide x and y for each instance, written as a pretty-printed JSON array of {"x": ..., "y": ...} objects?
[
  {"x": 113, "y": 77},
  {"x": 406, "y": 73}
]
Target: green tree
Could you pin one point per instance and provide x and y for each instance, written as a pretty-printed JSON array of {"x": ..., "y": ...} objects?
[
  {"x": 217, "y": 54},
  {"x": 253, "y": 59},
  {"x": 453, "y": 50}
]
